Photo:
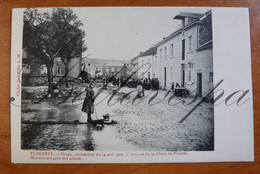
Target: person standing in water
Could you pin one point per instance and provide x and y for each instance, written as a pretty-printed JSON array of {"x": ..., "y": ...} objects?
[{"x": 88, "y": 102}]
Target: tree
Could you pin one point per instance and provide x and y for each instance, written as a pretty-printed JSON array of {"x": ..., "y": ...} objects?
[
  {"x": 70, "y": 36},
  {"x": 40, "y": 38}
]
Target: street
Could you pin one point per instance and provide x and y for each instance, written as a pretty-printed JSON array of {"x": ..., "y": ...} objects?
[{"x": 141, "y": 125}]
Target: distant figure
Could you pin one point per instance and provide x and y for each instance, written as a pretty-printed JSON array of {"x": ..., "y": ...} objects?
[
  {"x": 88, "y": 102},
  {"x": 156, "y": 84},
  {"x": 177, "y": 85},
  {"x": 153, "y": 83},
  {"x": 140, "y": 90},
  {"x": 172, "y": 86}
]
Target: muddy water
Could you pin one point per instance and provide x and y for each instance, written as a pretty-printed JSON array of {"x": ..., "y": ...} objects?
[{"x": 66, "y": 136}]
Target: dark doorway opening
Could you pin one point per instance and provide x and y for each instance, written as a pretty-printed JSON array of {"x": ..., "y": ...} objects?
[{"x": 199, "y": 84}]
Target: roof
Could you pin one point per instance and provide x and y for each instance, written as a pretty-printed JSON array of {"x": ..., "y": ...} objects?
[
  {"x": 114, "y": 63},
  {"x": 150, "y": 51},
  {"x": 168, "y": 37},
  {"x": 133, "y": 59},
  {"x": 183, "y": 15}
]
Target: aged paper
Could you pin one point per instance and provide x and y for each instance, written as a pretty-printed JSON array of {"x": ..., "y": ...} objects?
[{"x": 131, "y": 85}]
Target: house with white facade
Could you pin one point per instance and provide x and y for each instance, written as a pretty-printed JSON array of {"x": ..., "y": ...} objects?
[
  {"x": 186, "y": 57},
  {"x": 145, "y": 64}
]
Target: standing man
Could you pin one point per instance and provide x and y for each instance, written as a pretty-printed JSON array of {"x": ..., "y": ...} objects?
[{"x": 88, "y": 102}]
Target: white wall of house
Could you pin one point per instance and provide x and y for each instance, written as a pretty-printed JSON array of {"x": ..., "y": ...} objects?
[
  {"x": 75, "y": 67},
  {"x": 145, "y": 67},
  {"x": 169, "y": 61},
  {"x": 168, "y": 58}
]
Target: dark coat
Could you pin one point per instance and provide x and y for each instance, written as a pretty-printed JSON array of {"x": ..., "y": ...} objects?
[{"x": 88, "y": 101}]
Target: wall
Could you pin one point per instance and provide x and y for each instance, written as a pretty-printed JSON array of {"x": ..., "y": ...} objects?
[{"x": 145, "y": 67}]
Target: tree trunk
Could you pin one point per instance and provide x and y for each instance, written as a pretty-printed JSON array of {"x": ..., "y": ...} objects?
[
  {"x": 66, "y": 75},
  {"x": 50, "y": 78}
]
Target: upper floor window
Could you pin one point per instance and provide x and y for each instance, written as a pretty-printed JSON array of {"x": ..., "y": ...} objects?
[
  {"x": 160, "y": 54},
  {"x": 211, "y": 77},
  {"x": 58, "y": 70},
  {"x": 183, "y": 49},
  {"x": 171, "y": 50},
  {"x": 190, "y": 43},
  {"x": 44, "y": 69},
  {"x": 24, "y": 54},
  {"x": 165, "y": 52},
  {"x": 26, "y": 68}
]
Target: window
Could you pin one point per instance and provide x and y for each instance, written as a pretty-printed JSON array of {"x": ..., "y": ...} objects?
[
  {"x": 183, "y": 49},
  {"x": 211, "y": 77},
  {"x": 182, "y": 75},
  {"x": 26, "y": 69},
  {"x": 171, "y": 74},
  {"x": 24, "y": 54},
  {"x": 160, "y": 54},
  {"x": 58, "y": 70},
  {"x": 165, "y": 52},
  {"x": 182, "y": 66},
  {"x": 171, "y": 50},
  {"x": 190, "y": 67},
  {"x": 88, "y": 64},
  {"x": 190, "y": 43},
  {"x": 44, "y": 69}
]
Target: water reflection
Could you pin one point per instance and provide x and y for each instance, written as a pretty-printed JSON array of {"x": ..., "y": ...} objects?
[{"x": 57, "y": 137}]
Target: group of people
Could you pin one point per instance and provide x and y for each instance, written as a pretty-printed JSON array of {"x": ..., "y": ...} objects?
[{"x": 141, "y": 85}]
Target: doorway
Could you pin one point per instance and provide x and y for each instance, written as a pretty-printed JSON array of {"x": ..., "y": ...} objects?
[{"x": 199, "y": 84}]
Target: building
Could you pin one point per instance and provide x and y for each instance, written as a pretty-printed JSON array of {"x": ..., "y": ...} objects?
[
  {"x": 34, "y": 70},
  {"x": 145, "y": 64},
  {"x": 134, "y": 67},
  {"x": 186, "y": 57},
  {"x": 93, "y": 66},
  {"x": 114, "y": 68}
]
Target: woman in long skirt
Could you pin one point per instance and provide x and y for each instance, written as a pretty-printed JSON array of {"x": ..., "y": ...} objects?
[{"x": 88, "y": 102}]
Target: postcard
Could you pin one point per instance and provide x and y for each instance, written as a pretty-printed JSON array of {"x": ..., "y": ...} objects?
[{"x": 131, "y": 85}]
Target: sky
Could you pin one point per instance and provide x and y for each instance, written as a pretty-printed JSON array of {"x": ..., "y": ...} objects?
[{"x": 121, "y": 33}]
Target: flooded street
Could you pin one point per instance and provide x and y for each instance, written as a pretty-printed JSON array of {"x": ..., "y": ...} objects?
[{"x": 48, "y": 125}]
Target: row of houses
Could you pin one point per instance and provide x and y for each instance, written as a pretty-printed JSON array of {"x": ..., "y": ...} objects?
[
  {"x": 184, "y": 57},
  {"x": 35, "y": 71},
  {"x": 104, "y": 68}
]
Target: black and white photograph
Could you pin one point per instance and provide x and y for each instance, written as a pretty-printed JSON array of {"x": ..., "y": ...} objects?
[
  {"x": 131, "y": 85},
  {"x": 117, "y": 79}
]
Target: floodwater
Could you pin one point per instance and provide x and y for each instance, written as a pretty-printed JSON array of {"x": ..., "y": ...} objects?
[
  {"x": 139, "y": 128},
  {"x": 38, "y": 134}
]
